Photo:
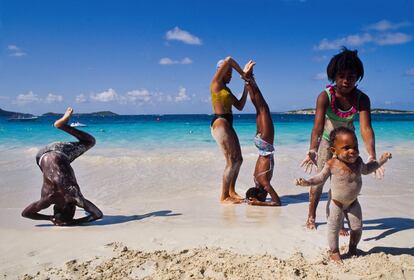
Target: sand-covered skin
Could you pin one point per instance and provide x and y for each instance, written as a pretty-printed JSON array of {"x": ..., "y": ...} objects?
[{"x": 216, "y": 263}]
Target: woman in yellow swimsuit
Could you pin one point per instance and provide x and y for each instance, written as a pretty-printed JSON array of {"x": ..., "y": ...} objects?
[{"x": 222, "y": 125}]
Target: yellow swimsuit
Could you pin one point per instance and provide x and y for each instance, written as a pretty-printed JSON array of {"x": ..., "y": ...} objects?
[{"x": 224, "y": 97}]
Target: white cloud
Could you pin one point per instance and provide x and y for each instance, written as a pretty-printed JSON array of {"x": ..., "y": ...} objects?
[
  {"x": 53, "y": 98},
  {"x": 183, "y": 36},
  {"x": 15, "y": 51},
  {"x": 137, "y": 97},
  {"x": 18, "y": 54},
  {"x": 166, "y": 61},
  {"x": 361, "y": 39},
  {"x": 80, "y": 99},
  {"x": 182, "y": 95},
  {"x": 12, "y": 48},
  {"x": 320, "y": 77},
  {"x": 410, "y": 72},
  {"x": 384, "y": 25},
  {"x": 351, "y": 40},
  {"x": 393, "y": 39},
  {"x": 30, "y": 97},
  {"x": 105, "y": 96},
  {"x": 186, "y": 60},
  {"x": 169, "y": 61}
]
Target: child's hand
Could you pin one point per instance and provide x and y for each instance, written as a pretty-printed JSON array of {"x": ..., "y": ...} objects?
[
  {"x": 301, "y": 182},
  {"x": 309, "y": 161},
  {"x": 386, "y": 156},
  {"x": 252, "y": 200}
]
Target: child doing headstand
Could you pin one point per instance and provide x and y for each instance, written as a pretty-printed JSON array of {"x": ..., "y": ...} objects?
[{"x": 264, "y": 139}]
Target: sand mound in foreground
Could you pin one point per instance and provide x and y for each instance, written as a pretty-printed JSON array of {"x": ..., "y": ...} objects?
[{"x": 217, "y": 263}]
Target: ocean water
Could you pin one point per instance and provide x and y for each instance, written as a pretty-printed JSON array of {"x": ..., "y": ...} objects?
[{"x": 151, "y": 132}]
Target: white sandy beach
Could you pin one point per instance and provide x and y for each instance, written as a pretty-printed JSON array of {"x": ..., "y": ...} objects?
[{"x": 163, "y": 220}]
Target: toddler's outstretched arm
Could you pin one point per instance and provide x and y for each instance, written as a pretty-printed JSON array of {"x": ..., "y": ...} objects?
[
  {"x": 318, "y": 179},
  {"x": 374, "y": 165}
]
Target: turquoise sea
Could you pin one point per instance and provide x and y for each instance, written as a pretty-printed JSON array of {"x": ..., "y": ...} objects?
[{"x": 189, "y": 131}]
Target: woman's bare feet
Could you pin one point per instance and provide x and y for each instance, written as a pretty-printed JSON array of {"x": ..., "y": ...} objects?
[
  {"x": 64, "y": 120},
  {"x": 231, "y": 200},
  {"x": 310, "y": 223},
  {"x": 236, "y": 196}
]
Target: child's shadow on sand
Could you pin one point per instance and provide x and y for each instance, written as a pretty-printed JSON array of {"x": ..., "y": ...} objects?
[
  {"x": 120, "y": 219},
  {"x": 300, "y": 198},
  {"x": 395, "y": 251},
  {"x": 391, "y": 225}
]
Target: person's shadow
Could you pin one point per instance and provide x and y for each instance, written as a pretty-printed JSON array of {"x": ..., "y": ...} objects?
[
  {"x": 391, "y": 225},
  {"x": 300, "y": 198},
  {"x": 120, "y": 219},
  {"x": 395, "y": 251}
]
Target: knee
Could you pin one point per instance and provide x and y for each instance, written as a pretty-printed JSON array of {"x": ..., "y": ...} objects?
[{"x": 237, "y": 160}]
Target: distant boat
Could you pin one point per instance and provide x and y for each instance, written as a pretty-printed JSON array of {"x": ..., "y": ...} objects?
[
  {"x": 22, "y": 119},
  {"x": 77, "y": 124}
]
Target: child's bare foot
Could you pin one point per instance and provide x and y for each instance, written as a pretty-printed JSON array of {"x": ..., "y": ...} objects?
[
  {"x": 231, "y": 200},
  {"x": 343, "y": 232},
  {"x": 310, "y": 223},
  {"x": 64, "y": 120},
  {"x": 336, "y": 257}
]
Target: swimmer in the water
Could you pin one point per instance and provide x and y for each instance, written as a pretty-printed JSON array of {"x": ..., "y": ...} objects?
[
  {"x": 345, "y": 169},
  {"x": 59, "y": 182}
]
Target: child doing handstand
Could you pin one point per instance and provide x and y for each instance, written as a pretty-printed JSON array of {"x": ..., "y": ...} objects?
[{"x": 345, "y": 169}]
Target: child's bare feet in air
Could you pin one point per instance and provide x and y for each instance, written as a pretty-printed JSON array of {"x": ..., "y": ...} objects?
[
  {"x": 64, "y": 120},
  {"x": 336, "y": 257}
]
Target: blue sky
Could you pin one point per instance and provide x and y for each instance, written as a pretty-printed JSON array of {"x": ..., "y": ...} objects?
[{"x": 158, "y": 57}]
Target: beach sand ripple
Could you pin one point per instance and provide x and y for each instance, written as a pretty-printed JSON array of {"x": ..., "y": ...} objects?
[{"x": 217, "y": 263}]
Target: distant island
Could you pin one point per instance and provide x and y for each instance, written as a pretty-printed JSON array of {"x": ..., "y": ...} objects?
[
  {"x": 14, "y": 115},
  {"x": 17, "y": 115},
  {"x": 94, "y": 114},
  {"x": 311, "y": 111}
]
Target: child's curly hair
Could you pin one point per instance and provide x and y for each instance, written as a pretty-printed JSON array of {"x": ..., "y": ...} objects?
[
  {"x": 338, "y": 131},
  {"x": 345, "y": 60}
]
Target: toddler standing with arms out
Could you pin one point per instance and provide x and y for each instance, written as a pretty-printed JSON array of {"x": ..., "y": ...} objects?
[{"x": 345, "y": 169}]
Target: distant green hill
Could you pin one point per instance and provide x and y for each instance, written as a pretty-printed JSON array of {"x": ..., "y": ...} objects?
[
  {"x": 9, "y": 114},
  {"x": 95, "y": 114}
]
